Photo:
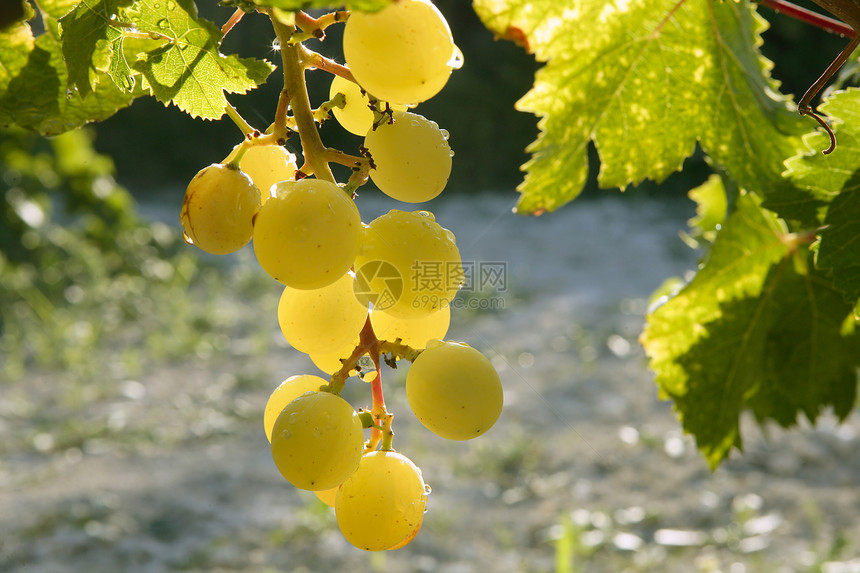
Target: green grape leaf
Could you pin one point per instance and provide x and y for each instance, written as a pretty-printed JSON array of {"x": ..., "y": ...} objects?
[
  {"x": 92, "y": 43},
  {"x": 839, "y": 246},
  {"x": 293, "y": 5},
  {"x": 34, "y": 80},
  {"x": 645, "y": 81},
  {"x": 16, "y": 44},
  {"x": 754, "y": 329},
  {"x": 808, "y": 362},
  {"x": 56, "y": 9},
  {"x": 746, "y": 247},
  {"x": 187, "y": 69},
  {"x": 828, "y": 186},
  {"x": 711, "y": 205}
]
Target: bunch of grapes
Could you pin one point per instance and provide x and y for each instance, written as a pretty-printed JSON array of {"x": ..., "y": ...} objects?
[{"x": 351, "y": 289}]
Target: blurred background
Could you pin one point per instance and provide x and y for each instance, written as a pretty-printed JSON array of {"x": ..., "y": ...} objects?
[{"x": 134, "y": 369}]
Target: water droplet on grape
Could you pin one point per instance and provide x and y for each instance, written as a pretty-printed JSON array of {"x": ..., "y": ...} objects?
[
  {"x": 276, "y": 45},
  {"x": 427, "y": 491},
  {"x": 366, "y": 363},
  {"x": 451, "y": 153},
  {"x": 186, "y": 238},
  {"x": 456, "y": 61},
  {"x": 445, "y": 134}
]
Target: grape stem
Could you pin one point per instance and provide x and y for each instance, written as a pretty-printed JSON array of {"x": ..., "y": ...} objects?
[
  {"x": 315, "y": 27},
  {"x": 368, "y": 343},
  {"x": 383, "y": 417},
  {"x": 238, "y": 120},
  {"x": 234, "y": 19},
  {"x": 809, "y": 17},
  {"x": 295, "y": 60},
  {"x": 830, "y": 25},
  {"x": 320, "y": 62}
]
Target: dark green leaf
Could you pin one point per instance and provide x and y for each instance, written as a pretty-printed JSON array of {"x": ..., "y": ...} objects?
[
  {"x": 839, "y": 247},
  {"x": 33, "y": 85},
  {"x": 754, "y": 329},
  {"x": 830, "y": 184}
]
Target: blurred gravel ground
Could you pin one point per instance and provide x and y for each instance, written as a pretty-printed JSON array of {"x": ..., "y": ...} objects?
[{"x": 586, "y": 471}]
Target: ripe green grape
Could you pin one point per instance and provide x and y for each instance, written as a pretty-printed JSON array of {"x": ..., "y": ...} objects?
[
  {"x": 327, "y": 495},
  {"x": 411, "y": 157},
  {"x": 355, "y": 116},
  {"x": 321, "y": 320},
  {"x": 454, "y": 391},
  {"x": 382, "y": 503},
  {"x": 409, "y": 266},
  {"x": 408, "y": 539},
  {"x": 403, "y": 54},
  {"x": 308, "y": 234},
  {"x": 317, "y": 441},
  {"x": 219, "y": 207},
  {"x": 330, "y": 362},
  {"x": 267, "y": 165},
  {"x": 414, "y": 332},
  {"x": 286, "y": 392}
]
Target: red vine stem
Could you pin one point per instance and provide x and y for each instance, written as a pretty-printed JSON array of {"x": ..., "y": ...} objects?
[
  {"x": 814, "y": 18},
  {"x": 234, "y": 19},
  {"x": 380, "y": 414}
]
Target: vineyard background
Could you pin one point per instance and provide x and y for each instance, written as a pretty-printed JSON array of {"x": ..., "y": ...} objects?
[{"x": 169, "y": 470}]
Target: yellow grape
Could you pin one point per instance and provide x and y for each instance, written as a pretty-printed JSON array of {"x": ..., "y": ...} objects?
[
  {"x": 454, "y": 391},
  {"x": 403, "y": 53},
  {"x": 411, "y": 157},
  {"x": 408, "y": 539},
  {"x": 321, "y": 320},
  {"x": 330, "y": 362},
  {"x": 327, "y": 496},
  {"x": 267, "y": 165},
  {"x": 382, "y": 503},
  {"x": 409, "y": 266},
  {"x": 317, "y": 441},
  {"x": 286, "y": 392},
  {"x": 414, "y": 332},
  {"x": 355, "y": 116},
  {"x": 218, "y": 210},
  {"x": 307, "y": 235}
]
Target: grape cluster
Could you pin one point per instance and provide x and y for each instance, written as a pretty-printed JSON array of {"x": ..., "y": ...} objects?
[{"x": 348, "y": 288}]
